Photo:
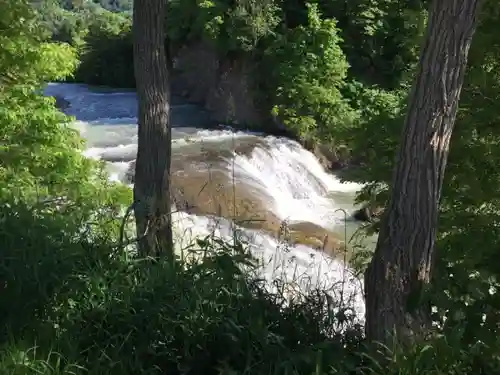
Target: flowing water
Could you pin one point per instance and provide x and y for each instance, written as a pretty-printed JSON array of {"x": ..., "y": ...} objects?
[{"x": 254, "y": 180}]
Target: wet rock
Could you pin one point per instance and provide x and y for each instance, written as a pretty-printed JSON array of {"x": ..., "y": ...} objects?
[
  {"x": 367, "y": 213},
  {"x": 62, "y": 103},
  {"x": 325, "y": 161},
  {"x": 222, "y": 85},
  {"x": 363, "y": 214},
  {"x": 331, "y": 157},
  {"x": 318, "y": 238},
  {"x": 213, "y": 193}
]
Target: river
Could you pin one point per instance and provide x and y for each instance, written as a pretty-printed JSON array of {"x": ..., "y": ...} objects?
[{"x": 220, "y": 175}]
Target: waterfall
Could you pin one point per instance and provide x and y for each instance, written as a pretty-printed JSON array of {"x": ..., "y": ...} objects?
[
  {"x": 293, "y": 180},
  {"x": 275, "y": 173}
]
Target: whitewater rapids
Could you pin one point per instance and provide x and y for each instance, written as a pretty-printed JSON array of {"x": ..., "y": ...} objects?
[{"x": 222, "y": 174}]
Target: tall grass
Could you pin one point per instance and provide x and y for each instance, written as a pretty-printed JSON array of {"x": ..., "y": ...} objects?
[{"x": 71, "y": 306}]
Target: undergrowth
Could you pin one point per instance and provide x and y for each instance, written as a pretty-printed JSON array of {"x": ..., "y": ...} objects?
[
  {"x": 71, "y": 306},
  {"x": 83, "y": 307}
]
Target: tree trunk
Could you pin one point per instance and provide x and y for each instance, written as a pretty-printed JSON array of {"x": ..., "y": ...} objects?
[
  {"x": 403, "y": 260},
  {"x": 152, "y": 168}
]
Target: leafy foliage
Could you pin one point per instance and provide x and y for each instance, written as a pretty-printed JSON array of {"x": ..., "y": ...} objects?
[
  {"x": 234, "y": 26},
  {"x": 43, "y": 173},
  {"x": 102, "y": 39},
  {"x": 308, "y": 69},
  {"x": 111, "y": 5},
  {"x": 106, "y": 54},
  {"x": 311, "y": 57},
  {"x": 379, "y": 37}
]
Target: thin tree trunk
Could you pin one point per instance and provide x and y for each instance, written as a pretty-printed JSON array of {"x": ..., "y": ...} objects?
[
  {"x": 152, "y": 168},
  {"x": 403, "y": 260}
]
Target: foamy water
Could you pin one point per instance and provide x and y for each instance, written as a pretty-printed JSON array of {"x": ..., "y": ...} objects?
[
  {"x": 294, "y": 180},
  {"x": 298, "y": 266},
  {"x": 288, "y": 178}
]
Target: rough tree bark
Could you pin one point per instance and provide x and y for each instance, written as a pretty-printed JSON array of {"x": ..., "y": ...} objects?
[
  {"x": 403, "y": 259},
  {"x": 152, "y": 169}
]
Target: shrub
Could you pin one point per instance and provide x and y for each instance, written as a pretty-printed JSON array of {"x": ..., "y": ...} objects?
[
  {"x": 307, "y": 71},
  {"x": 106, "y": 56}
]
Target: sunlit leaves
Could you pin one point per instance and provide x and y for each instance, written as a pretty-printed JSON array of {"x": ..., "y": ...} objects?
[
  {"x": 40, "y": 154},
  {"x": 24, "y": 58},
  {"x": 308, "y": 69},
  {"x": 231, "y": 25}
]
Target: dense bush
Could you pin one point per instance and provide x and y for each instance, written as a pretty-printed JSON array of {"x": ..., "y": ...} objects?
[
  {"x": 232, "y": 26},
  {"x": 302, "y": 70},
  {"x": 75, "y": 307},
  {"x": 307, "y": 72},
  {"x": 106, "y": 54},
  {"x": 101, "y": 37},
  {"x": 114, "y": 314}
]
